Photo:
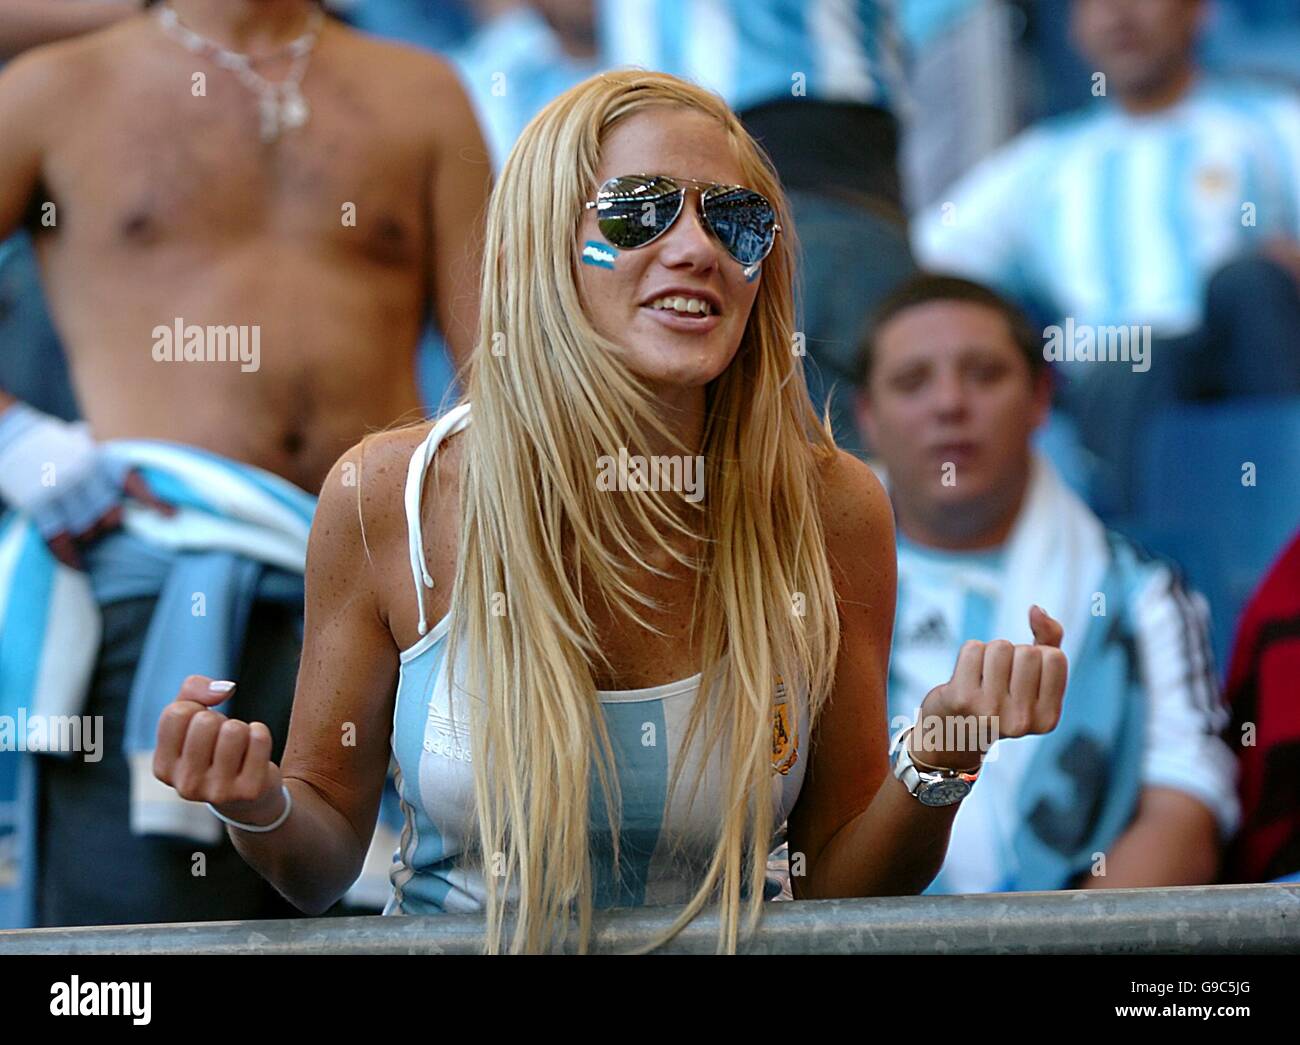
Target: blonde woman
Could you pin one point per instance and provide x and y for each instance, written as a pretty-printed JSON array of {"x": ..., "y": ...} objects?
[{"x": 668, "y": 597}]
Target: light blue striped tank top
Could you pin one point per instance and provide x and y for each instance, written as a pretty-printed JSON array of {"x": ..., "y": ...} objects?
[{"x": 664, "y": 845}]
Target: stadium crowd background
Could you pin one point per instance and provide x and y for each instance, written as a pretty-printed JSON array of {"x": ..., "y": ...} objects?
[{"x": 949, "y": 157}]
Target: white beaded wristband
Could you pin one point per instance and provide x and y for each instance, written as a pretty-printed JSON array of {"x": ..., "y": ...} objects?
[{"x": 257, "y": 828}]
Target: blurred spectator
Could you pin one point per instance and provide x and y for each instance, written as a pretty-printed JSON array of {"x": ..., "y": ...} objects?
[
  {"x": 512, "y": 56},
  {"x": 442, "y": 27},
  {"x": 1134, "y": 786},
  {"x": 32, "y": 364},
  {"x": 1264, "y": 690},
  {"x": 818, "y": 84},
  {"x": 1121, "y": 214},
  {"x": 75, "y": 134},
  {"x": 958, "y": 113},
  {"x": 1172, "y": 208},
  {"x": 521, "y": 56}
]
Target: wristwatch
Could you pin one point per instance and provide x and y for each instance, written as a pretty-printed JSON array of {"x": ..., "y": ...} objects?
[{"x": 930, "y": 787}]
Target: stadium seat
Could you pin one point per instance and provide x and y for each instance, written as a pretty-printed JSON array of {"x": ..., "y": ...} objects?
[{"x": 1199, "y": 503}]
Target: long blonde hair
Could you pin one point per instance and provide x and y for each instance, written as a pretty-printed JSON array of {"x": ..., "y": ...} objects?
[{"x": 539, "y": 542}]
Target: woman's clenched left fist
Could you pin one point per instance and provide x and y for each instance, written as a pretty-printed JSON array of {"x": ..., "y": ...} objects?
[{"x": 996, "y": 690}]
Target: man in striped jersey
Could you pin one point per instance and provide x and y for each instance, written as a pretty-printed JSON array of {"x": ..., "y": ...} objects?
[
  {"x": 818, "y": 83},
  {"x": 1134, "y": 787},
  {"x": 1172, "y": 205}
]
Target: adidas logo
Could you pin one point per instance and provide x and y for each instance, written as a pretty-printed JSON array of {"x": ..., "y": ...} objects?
[{"x": 932, "y": 630}]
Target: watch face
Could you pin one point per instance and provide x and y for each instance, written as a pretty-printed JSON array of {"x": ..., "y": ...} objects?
[{"x": 944, "y": 792}]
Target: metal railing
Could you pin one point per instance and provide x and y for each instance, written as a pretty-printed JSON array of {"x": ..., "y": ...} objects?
[{"x": 1214, "y": 919}]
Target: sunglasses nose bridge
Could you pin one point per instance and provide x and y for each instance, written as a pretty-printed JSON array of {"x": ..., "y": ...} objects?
[
  {"x": 678, "y": 208},
  {"x": 695, "y": 195},
  {"x": 698, "y": 215}
]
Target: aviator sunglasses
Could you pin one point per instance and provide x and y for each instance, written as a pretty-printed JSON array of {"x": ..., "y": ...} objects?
[{"x": 635, "y": 209}]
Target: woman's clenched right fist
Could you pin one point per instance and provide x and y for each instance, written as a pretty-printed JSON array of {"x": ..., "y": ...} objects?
[{"x": 208, "y": 757}]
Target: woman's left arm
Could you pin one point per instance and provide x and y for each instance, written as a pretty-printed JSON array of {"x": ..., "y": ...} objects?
[{"x": 856, "y": 830}]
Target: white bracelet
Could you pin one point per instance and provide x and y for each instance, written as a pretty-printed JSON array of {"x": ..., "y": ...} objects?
[{"x": 257, "y": 829}]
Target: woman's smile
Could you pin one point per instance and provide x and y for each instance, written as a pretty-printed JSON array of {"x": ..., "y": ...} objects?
[{"x": 700, "y": 322}]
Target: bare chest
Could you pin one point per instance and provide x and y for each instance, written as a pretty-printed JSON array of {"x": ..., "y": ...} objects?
[{"x": 175, "y": 158}]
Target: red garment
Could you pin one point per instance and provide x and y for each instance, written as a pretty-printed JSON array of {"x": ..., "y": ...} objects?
[{"x": 1264, "y": 689}]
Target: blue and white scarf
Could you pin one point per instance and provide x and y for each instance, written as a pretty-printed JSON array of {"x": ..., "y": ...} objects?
[
  {"x": 239, "y": 536},
  {"x": 1069, "y": 793}
]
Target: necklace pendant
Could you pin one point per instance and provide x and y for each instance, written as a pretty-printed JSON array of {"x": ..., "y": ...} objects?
[
  {"x": 280, "y": 107},
  {"x": 294, "y": 110}
]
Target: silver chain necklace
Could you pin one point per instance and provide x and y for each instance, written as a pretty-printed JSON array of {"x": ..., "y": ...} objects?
[{"x": 280, "y": 106}]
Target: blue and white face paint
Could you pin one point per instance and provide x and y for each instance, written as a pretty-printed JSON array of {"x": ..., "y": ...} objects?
[{"x": 599, "y": 254}]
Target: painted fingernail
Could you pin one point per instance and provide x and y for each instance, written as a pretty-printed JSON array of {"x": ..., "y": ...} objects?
[{"x": 220, "y": 687}]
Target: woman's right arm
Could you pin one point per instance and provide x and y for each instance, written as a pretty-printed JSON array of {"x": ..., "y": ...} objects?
[{"x": 337, "y": 751}]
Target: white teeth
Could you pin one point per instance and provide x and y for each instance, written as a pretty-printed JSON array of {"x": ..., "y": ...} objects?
[{"x": 696, "y": 306}]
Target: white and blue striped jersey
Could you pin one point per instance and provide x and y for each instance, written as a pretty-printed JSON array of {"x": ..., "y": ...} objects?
[
  {"x": 920, "y": 21},
  {"x": 946, "y": 598},
  {"x": 511, "y": 68},
  {"x": 756, "y": 51},
  {"x": 1119, "y": 219},
  {"x": 665, "y": 843}
]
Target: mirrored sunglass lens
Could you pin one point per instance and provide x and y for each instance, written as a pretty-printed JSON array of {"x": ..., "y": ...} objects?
[
  {"x": 630, "y": 212},
  {"x": 743, "y": 220}
]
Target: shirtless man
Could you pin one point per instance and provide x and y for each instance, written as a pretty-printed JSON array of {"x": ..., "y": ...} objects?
[
  {"x": 156, "y": 200},
  {"x": 169, "y": 205}
]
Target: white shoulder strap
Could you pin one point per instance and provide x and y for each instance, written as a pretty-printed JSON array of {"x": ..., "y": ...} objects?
[{"x": 452, "y": 421}]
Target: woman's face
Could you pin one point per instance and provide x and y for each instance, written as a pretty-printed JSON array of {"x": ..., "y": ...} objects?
[{"x": 670, "y": 351}]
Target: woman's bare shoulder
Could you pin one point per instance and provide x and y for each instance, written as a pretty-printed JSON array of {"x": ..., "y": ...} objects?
[
  {"x": 370, "y": 476},
  {"x": 363, "y": 499},
  {"x": 854, "y": 504}
]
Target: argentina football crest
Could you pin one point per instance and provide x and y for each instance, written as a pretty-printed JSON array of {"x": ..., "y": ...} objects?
[{"x": 785, "y": 738}]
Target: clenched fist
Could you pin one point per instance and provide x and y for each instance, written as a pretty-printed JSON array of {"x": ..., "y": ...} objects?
[
  {"x": 208, "y": 757},
  {"x": 996, "y": 690}
]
